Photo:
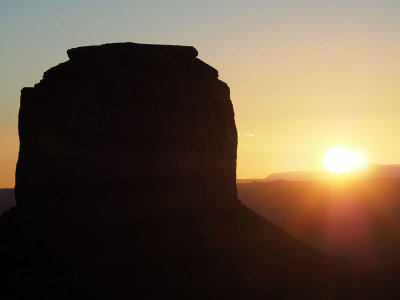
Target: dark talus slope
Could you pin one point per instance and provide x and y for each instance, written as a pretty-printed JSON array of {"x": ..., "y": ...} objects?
[
  {"x": 125, "y": 188},
  {"x": 7, "y": 199}
]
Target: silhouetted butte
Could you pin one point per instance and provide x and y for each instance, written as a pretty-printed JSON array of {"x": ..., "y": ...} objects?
[
  {"x": 127, "y": 131},
  {"x": 125, "y": 187}
]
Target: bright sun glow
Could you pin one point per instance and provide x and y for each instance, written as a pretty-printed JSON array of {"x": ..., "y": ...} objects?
[{"x": 339, "y": 160}]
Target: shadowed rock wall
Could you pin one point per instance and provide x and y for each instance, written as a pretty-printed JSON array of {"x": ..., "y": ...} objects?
[{"x": 148, "y": 127}]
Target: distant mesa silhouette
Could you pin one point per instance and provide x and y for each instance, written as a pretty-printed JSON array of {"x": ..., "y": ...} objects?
[
  {"x": 371, "y": 171},
  {"x": 125, "y": 188}
]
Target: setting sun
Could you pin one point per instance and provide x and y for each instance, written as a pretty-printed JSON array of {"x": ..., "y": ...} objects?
[{"x": 339, "y": 160}]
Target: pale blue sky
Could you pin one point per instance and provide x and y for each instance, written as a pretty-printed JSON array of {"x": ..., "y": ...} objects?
[{"x": 326, "y": 65}]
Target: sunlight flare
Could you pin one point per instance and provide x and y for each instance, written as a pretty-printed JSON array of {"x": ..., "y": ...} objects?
[{"x": 340, "y": 159}]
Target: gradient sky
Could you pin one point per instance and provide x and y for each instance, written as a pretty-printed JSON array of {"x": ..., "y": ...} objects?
[{"x": 304, "y": 75}]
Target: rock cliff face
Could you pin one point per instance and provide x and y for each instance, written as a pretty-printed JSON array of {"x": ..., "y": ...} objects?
[{"x": 149, "y": 128}]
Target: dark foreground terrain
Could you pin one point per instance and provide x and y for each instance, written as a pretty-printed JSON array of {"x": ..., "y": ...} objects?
[
  {"x": 357, "y": 219},
  {"x": 226, "y": 253},
  {"x": 125, "y": 189}
]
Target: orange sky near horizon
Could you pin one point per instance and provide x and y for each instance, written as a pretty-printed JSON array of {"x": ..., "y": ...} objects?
[{"x": 303, "y": 78}]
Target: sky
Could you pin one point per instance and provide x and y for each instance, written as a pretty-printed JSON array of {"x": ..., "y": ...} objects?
[{"x": 304, "y": 75}]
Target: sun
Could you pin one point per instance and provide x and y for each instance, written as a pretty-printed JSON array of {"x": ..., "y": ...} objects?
[{"x": 340, "y": 159}]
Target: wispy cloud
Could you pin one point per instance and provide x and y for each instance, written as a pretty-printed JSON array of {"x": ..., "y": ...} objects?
[{"x": 246, "y": 134}]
